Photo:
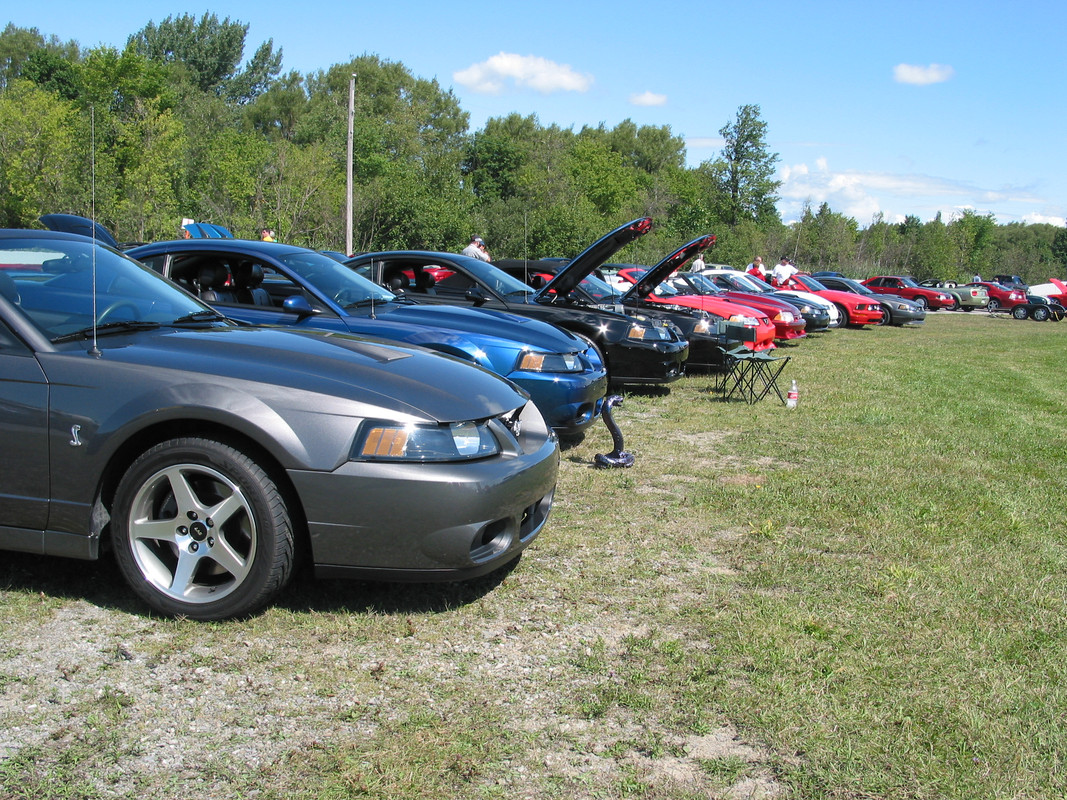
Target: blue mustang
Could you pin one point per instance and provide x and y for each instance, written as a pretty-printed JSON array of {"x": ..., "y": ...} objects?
[{"x": 279, "y": 284}]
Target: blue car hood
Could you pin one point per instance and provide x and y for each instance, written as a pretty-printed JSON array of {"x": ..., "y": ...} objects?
[{"x": 488, "y": 322}]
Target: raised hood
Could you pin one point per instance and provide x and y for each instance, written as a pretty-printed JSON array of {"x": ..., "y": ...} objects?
[
  {"x": 568, "y": 278},
  {"x": 659, "y": 273}
]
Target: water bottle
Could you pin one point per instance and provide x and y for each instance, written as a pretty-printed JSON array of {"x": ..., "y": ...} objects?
[{"x": 792, "y": 395}]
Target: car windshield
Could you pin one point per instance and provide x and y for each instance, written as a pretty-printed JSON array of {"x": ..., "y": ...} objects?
[
  {"x": 702, "y": 283},
  {"x": 908, "y": 282},
  {"x": 70, "y": 287},
  {"x": 810, "y": 283},
  {"x": 749, "y": 283},
  {"x": 495, "y": 278},
  {"x": 853, "y": 286},
  {"x": 601, "y": 291},
  {"x": 335, "y": 280}
]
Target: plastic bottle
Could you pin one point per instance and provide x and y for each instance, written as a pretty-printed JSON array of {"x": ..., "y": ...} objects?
[{"x": 792, "y": 396}]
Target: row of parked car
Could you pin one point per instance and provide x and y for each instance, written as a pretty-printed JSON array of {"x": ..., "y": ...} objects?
[{"x": 216, "y": 411}]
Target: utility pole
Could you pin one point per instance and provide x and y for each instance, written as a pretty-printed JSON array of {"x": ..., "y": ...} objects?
[{"x": 351, "y": 124}]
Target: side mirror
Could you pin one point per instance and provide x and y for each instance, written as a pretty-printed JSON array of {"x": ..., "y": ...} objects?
[
  {"x": 475, "y": 295},
  {"x": 299, "y": 305}
]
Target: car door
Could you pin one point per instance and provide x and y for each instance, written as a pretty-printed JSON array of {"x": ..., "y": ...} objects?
[{"x": 24, "y": 443}]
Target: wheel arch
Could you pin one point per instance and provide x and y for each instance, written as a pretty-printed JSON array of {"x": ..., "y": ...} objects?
[{"x": 146, "y": 438}]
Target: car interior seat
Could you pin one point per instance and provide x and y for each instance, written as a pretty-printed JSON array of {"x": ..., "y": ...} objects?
[
  {"x": 247, "y": 281},
  {"x": 424, "y": 283},
  {"x": 396, "y": 281},
  {"x": 212, "y": 281}
]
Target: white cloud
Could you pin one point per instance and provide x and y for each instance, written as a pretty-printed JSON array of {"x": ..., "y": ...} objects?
[
  {"x": 922, "y": 76},
  {"x": 530, "y": 72},
  {"x": 1035, "y": 218},
  {"x": 648, "y": 99}
]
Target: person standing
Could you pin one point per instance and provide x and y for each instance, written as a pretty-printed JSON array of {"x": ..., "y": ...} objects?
[
  {"x": 476, "y": 249},
  {"x": 783, "y": 271},
  {"x": 698, "y": 263},
  {"x": 756, "y": 268}
]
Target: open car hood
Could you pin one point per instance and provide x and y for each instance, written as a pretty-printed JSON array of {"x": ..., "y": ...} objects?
[
  {"x": 659, "y": 273},
  {"x": 83, "y": 226},
  {"x": 568, "y": 278}
]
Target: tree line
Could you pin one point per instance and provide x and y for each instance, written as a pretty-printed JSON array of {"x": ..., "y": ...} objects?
[{"x": 174, "y": 126}]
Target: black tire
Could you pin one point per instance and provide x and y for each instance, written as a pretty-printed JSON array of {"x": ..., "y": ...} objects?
[
  {"x": 1040, "y": 314},
  {"x": 887, "y": 317},
  {"x": 201, "y": 530},
  {"x": 967, "y": 308},
  {"x": 1019, "y": 312},
  {"x": 994, "y": 305},
  {"x": 924, "y": 304},
  {"x": 842, "y": 320},
  {"x": 954, "y": 305}
]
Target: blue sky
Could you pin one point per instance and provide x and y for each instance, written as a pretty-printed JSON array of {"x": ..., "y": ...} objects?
[{"x": 902, "y": 108}]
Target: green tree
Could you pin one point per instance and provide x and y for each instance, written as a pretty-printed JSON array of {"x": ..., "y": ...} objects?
[
  {"x": 18, "y": 45},
  {"x": 38, "y": 154},
  {"x": 972, "y": 234},
  {"x": 599, "y": 174},
  {"x": 745, "y": 169},
  {"x": 1059, "y": 250},
  {"x": 207, "y": 53},
  {"x": 53, "y": 72}
]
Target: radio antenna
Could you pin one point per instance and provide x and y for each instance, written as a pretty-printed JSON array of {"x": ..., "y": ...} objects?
[{"x": 94, "y": 350}]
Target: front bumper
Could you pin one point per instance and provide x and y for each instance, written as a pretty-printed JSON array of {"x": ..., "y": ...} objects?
[
  {"x": 430, "y": 521},
  {"x": 569, "y": 402}
]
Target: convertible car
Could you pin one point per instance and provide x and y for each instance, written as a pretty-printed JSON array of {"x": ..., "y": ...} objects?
[
  {"x": 210, "y": 457},
  {"x": 968, "y": 298},
  {"x": 279, "y": 284},
  {"x": 638, "y": 348}
]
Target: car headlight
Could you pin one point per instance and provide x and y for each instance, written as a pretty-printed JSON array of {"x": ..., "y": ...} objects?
[
  {"x": 648, "y": 333},
  {"x": 550, "y": 362},
  {"x": 741, "y": 319},
  {"x": 784, "y": 316},
  {"x": 390, "y": 441}
]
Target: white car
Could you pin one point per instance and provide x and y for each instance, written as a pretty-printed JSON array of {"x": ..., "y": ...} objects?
[{"x": 739, "y": 281}]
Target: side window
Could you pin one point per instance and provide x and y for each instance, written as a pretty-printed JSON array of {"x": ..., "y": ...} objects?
[
  {"x": 273, "y": 288},
  {"x": 456, "y": 283},
  {"x": 10, "y": 344}
]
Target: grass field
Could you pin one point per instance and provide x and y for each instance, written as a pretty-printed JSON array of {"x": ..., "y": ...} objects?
[{"x": 864, "y": 597}]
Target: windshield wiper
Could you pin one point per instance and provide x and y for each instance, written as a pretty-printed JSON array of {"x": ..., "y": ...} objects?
[
  {"x": 119, "y": 326},
  {"x": 207, "y": 315},
  {"x": 368, "y": 301}
]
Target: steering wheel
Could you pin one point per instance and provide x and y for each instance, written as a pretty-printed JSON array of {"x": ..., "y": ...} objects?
[
  {"x": 346, "y": 296},
  {"x": 135, "y": 312}
]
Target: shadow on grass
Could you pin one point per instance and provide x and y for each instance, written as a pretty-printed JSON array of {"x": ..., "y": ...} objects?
[{"x": 101, "y": 584}]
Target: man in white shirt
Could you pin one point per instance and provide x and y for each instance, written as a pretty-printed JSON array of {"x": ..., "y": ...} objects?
[
  {"x": 476, "y": 249},
  {"x": 783, "y": 271}
]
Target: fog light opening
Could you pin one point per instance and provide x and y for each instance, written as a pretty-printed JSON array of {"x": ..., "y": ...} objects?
[{"x": 492, "y": 539}]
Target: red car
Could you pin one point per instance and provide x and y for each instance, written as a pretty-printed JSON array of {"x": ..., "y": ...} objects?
[
  {"x": 788, "y": 323},
  {"x": 906, "y": 287},
  {"x": 1001, "y": 298},
  {"x": 855, "y": 309}
]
